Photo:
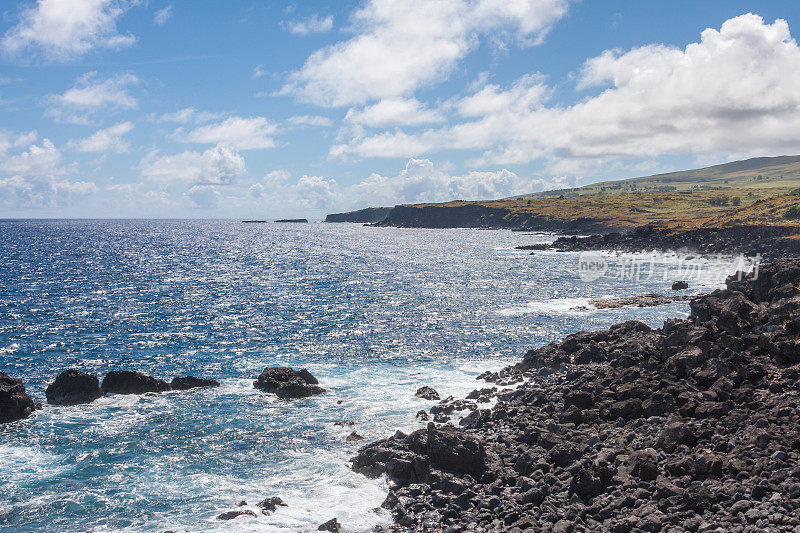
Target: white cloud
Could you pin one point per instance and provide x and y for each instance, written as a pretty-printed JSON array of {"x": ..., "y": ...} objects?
[
  {"x": 241, "y": 133},
  {"x": 91, "y": 94},
  {"x": 35, "y": 179},
  {"x": 162, "y": 16},
  {"x": 401, "y": 45},
  {"x": 734, "y": 92},
  {"x": 65, "y": 29},
  {"x": 313, "y": 24},
  {"x": 181, "y": 116},
  {"x": 203, "y": 196},
  {"x": 106, "y": 140},
  {"x": 219, "y": 165},
  {"x": 9, "y": 140},
  {"x": 258, "y": 72},
  {"x": 394, "y": 112},
  {"x": 310, "y": 120},
  {"x": 419, "y": 181}
]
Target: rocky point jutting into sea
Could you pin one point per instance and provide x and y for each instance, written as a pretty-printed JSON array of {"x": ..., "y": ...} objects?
[{"x": 691, "y": 427}]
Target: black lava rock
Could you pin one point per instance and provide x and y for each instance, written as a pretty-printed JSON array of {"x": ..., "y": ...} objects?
[
  {"x": 129, "y": 382},
  {"x": 331, "y": 525},
  {"x": 191, "y": 382},
  {"x": 427, "y": 393},
  {"x": 73, "y": 387},
  {"x": 15, "y": 404},
  {"x": 287, "y": 383}
]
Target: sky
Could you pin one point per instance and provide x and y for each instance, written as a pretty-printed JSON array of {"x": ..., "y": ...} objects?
[{"x": 242, "y": 109}]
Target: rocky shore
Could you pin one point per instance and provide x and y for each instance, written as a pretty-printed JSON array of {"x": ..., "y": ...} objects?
[
  {"x": 691, "y": 427},
  {"x": 772, "y": 242}
]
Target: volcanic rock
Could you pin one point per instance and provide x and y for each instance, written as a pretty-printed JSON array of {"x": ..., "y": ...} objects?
[
  {"x": 129, "y": 382},
  {"x": 15, "y": 404},
  {"x": 191, "y": 382},
  {"x": 73, "y": 387},
  {"x": 287, "y": 383}
]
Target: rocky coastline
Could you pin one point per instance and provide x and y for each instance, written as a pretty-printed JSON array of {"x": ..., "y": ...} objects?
[
  {"x": 691, "y": 427},
  {"x": 771, "y": 242}
]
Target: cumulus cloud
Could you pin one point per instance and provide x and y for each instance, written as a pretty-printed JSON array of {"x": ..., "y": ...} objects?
[
  {"x": 241, "y": 133},
  {"x": 10, "y": 140},
  {"x": 65, "y": 29},
  {"x": 402, "y": 45},
  {"x": 419, "y": 181},
  {"x": 162, "y": 16},
  {"x": 219, "y": 165},
  {"x": 91, "y": 94},
  {"x": 106, "y": 140},
  {"x": 313, "y": 24},
  {"x": 394, "y": 112},
  {"x": 734, "y": 91},
  {"x": 203, "y": 196},
  {"x": 35, "y": 179}
]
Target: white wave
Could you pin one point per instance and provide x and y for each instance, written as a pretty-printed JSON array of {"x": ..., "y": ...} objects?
[{"x": 549, "y": 307}]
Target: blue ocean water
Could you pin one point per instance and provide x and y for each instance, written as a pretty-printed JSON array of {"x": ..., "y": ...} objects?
[{"x": 374, "y": 313}]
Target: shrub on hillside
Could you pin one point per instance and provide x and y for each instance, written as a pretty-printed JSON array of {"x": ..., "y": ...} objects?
[{"x": 792, "y": 213}]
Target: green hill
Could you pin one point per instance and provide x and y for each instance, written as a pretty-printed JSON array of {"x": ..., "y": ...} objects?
[{"x": 781, "y": 173}]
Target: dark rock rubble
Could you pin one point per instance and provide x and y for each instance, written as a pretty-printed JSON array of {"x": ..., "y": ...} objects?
[
  {"x": 287, "y": 383},
  {"x": 129, "y": 382},
  {"x": 691, "y": 427},
  {"x": 72, "y": 387},
  {"x": 15, "y": 404}
]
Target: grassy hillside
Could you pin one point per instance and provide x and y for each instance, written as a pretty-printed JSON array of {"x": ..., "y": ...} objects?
[
  {"x": 781, "y": 173},
  {"x": 754, "y": 191}
]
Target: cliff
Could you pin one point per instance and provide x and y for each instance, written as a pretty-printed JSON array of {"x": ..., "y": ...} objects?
[
  {"x": 476, "y": 215},
  {"x": 369, "y": 215}
]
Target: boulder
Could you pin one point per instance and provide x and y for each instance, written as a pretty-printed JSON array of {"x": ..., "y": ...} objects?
[
  {"x": 288, "y": 383},
  {"x": 191, "y": 382},
  {"x": 269, "y": 505},
  {"x": 427, "y": 393},
  {"x": 230, "y": 515},
  {"x": 15, "y": 404},
  {"x": 129, "y": 382},
  {"x": 331, "y": 525},
  {"x": 679, "y": 286},
  {"x": 73, "y": 387},
  {"x": 354, "y": 437}
]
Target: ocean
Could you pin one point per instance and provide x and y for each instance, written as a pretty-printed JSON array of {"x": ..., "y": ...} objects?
[{"x": 373, "y": 313}]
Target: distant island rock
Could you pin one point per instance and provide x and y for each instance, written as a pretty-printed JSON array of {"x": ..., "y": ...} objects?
[
  {"x": 370, "y": 215},
  {"x": 297, "y": 220}
]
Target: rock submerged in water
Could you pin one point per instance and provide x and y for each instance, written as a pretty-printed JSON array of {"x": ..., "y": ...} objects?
[
  {"x": 331, "y": 525},
  {"x": 15, "y": 404},
  {"x": 73, "y": 387},
  {"x": 269, "y": 505},
  {"x": 191, "y": 382},
  {"x": 129, "y": 382},
  {"x": 427, "y": 393},
  {"x": 287, "y": 383},
  {"x": 679, "y": 286},
  {"x": 230, "y": 515}
]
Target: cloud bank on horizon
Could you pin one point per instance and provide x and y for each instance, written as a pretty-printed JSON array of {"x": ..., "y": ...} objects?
[{"x": 394, "y": 102}]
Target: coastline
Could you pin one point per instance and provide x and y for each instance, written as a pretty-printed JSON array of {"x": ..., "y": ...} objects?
[{"x": 691, "y": 427}]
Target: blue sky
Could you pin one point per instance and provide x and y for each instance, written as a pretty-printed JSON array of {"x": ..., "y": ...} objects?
[{"x": 126, "y": 108}]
